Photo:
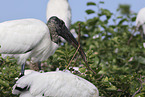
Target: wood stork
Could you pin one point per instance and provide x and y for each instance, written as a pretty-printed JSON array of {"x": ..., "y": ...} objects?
[
  {"x": 54, "y": 84},
  {"x": 33, "y": 38},
  {"x": 54, "y": 8},
  {"x": 61, "y": 9},
  {"x": 140, "y": 22}
]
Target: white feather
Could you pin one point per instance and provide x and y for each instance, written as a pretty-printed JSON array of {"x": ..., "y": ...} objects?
[
  {"x": 54, "y": 8},
  {"x": 140, "y": 21},
  {"x": 56, "y": 84},
  {"x": 20, "y": 36},
  {"x": 61, "y": 9},
  {"x": 27, "y": 94}
]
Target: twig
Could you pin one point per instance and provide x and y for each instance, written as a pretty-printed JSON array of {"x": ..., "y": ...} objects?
[
  {"x": 76, "y": 59},
  {"x": 77, "y": 48},
  {"x": 131, "y": 37},
  {"x": 100, "y": 77},
  {"x": 137, "y": 91},
  {"x": 79, "y": 33},
  {"x": 75, "y": 62},
  {"x": 141, "y": 82},
  {"x": 72, "y": 57}
]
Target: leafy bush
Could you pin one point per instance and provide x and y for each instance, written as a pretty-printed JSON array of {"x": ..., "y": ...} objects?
[{"x": 114, "y": 51}]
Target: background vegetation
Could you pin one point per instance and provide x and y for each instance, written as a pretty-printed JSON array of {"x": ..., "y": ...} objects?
[{"x": 114, "y": 51}]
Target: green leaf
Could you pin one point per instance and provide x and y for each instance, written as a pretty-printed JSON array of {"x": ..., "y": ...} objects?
[
  {"x": 141, "y": 59},
  {"x": 120, "y": 17},
  {"x": 133, "y": 19},
  {"x": 5, "y": 84},
  {"x": 60, "y": 52},
  {"x": 89, "y": 11},
  {"x": 101, "y": 2},
  {"x": 112, "y": 88},
  {"x": 106, "y": 12},
  {"x": 82, "y": 70},
  {"x": 121, "y": 21},
  {"x": 91, "y": 3}
]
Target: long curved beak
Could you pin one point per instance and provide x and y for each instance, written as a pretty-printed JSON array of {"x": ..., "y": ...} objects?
[{"x": 67, "y": 35}]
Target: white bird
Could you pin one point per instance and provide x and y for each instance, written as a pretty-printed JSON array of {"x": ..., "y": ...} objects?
[
  {"x": 61, "y": 9},
  {"x": 54, "y": 84},
  {"x": 33, "y": 38},
  {"x": 140, "y": 21},
  {"x": 54, "y": 8}
]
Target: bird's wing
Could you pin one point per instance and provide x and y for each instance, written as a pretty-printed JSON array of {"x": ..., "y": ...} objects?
[
  {"x": 26, "y": 94},
  {"x": 28, "y": 82},
  {"x": 140, "y": 19},
  {"x": 56, "y": 84},
  {"x": 21, "y": 36}
]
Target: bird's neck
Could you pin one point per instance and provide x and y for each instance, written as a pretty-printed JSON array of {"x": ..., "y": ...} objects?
[
  {"x": 54, "y": 36},
  {"x": 53, "y": 33}
]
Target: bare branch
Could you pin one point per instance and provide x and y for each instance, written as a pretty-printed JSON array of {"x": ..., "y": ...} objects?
[
  {"x": 141, "y": 82},
  {"x": 131, "y": 36},
  {"x": 77, "y": 48},
  {"x": 72, "y": 57}
]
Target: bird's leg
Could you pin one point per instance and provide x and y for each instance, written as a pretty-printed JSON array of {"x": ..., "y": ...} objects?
[
  {"x": 22, "y": 70},
  {"x": 39, "y": 65},
  {"x": 143, "y": 37}
]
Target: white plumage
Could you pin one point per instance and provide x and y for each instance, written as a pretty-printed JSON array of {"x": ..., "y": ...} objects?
[
  {"x": 20, "y": 36},
  {"x": 140, "y": 21},
  {"x": 61, "y": 9},
  {"x": 32, "y": 38},
  {"x": 54, "y": 84}
]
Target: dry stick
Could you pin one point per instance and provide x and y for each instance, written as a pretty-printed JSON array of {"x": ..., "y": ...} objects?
[
  {"x": 75, "y": 61},
  {"x": 72, "y": 57},
  {"x": 99, "y": 77},
  {"x": 92, "y": 70},
  {"x": 79, "y": 34},
  {"x": 77, "y": 48},
  {"x": 139, "y": 87},
  {"x": 137, "y": 91},
  {"x": 131, "y": 37}
]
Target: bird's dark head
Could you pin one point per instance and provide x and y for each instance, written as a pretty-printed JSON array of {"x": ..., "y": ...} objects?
[
  {"x": 58, "y": 29},
  {"x": 54, "y": 24}
]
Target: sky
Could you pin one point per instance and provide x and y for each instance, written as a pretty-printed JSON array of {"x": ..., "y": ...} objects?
[{"x": 20, "y": 9}]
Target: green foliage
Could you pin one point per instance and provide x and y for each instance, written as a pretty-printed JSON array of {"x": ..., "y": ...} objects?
[
  {"x": 124, "y": 9},
  {"x": 122, "y": 58},
  {"x": 89, "y": 11},
  {"x": 9, "y": 70},
  {"x": 114, "y": 51},
  {"x": 91, "y": 3}
]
